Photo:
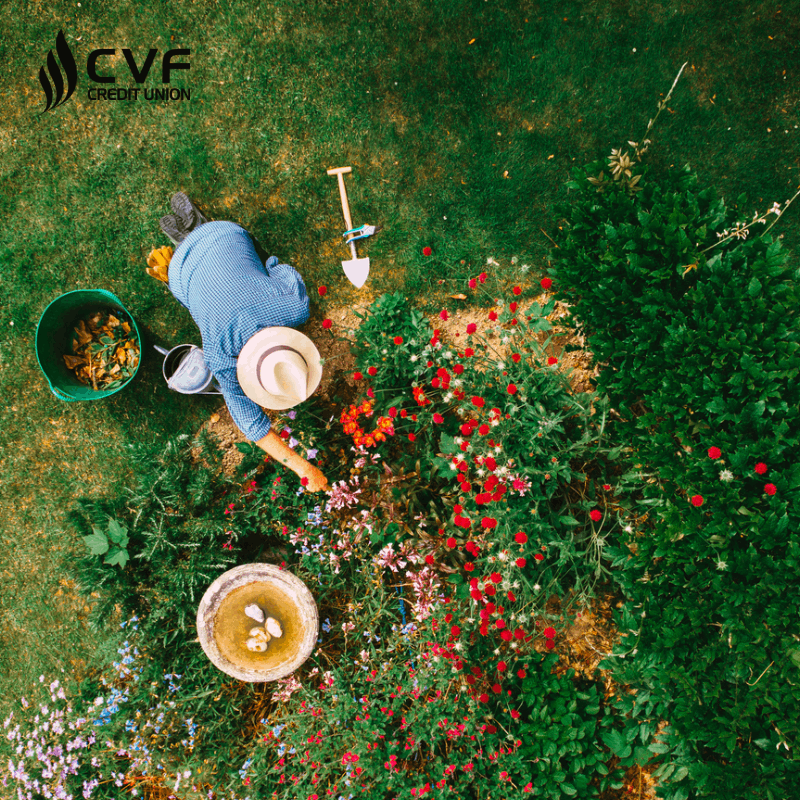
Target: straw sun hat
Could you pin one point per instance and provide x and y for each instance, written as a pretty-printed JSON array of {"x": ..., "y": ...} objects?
[{"x": 279, "y": 368}]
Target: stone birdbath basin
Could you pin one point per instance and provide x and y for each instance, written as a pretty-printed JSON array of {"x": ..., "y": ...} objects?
[{"x": 257, "y": 622}]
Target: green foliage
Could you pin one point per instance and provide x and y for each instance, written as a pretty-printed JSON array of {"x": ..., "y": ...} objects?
[
  {"x": 562, "y": 741},
  {"x": 112, "y": 542},
  {"x": 699, "y": 338},
  {"x": 389, "y": 316}
]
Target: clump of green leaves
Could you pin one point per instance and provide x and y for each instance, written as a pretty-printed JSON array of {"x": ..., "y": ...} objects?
[
  {"x": 391, "y": 316},
  {"x": 112, "y": 542}
]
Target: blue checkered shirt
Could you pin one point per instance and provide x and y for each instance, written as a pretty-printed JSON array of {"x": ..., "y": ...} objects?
[{"x": 216, "y": 273}]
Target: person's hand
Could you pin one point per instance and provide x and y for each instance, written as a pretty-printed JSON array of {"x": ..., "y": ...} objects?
[{"x": 314, "y": 480}]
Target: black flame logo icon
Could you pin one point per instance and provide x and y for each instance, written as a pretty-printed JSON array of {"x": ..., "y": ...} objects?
[{"x": 70, "y": 70}]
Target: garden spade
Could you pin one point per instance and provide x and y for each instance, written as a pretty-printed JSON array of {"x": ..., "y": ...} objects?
[{"x": 356, "y": 269}]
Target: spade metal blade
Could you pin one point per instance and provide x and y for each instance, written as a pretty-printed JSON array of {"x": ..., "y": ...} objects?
[{"x": 357, "y": 271}]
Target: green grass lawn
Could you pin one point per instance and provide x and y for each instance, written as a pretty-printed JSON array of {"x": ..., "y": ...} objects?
[{"x": 460, "y": 119}]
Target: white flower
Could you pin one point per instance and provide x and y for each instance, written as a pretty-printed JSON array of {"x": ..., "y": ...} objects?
[
  {"x": 414, "y": 358},
  {"x": 722, "y": 565},
  {"x": 447, "y": 354},
  {"x": 458, "y": 440},
  {"x": 384, "y": 351},
  {"x": 776, "y": 209},
  {"x": 448, "y": 397},
  {"x": 514, "y": 259},
  {"x": 501, "y": 365},
  {"x": 536, "y": 587},
  {"x": 726, "y": 475}
]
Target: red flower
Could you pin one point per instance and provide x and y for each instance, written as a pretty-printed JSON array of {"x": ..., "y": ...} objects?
[
  {"x": 495, "y": 577},
  {"x": 506, "y": 635},
  {"x": 482, "y": 277},
  {"x": 479, "y": 402},
  {"x": 521, "y": 673},
  {"x": 761, "y": 468},
  {"x": 489, "y": 523},
  {"x": 484, "y": 698},
  {"x": 492, "y": 315},
  {"x": 517, "y": 290},
  {"x": 511, "y": 388},
  {"x": 327, "y": 323},
  {"x": 550, "y": 633},
  {"x": 596, "y": 515},
  {"x": 539, "y": 557},
  {"x": 521, "y": 537},
  {"x": 472, "y": 283},
  {"x": 515, "y": 714},
  {"x": 472, "y": 327},
  {"x": 469, "y": 566},
  {"x": 500, "y": 624},
  {"x": 398, "y": 340},
  {"x": 770, "y": 488},
  {"x": 513, "y": 306},
  {"x": 323, "y": 290},
  {"x": 392, "y": 412},
  {"x": 357, "y": 376},
  {"x": 483, "y": 430},
  {"x": 546, "y": 283},
  {"x": 497, "y": 688},
  {"x": 515, "y": 357},
  {"x": 438, "y": 419},
  {"x": 714, "y": 452},
  {"x": 372, "y": 371},
  {"x": 549, "y": 644},
  {"x": 520, "y": 562},
  {"x": 451, "y": 542},
  {"x": 458, "y": 368},
  {"x": 426, "y": 251},
  {"x": 304, "y": 481},
  {"x": 443, "y": 314},
  {"x": 697, "y": 500},
  {"x": 412, "y": 437}
]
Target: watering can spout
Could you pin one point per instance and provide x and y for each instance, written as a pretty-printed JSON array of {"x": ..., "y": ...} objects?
[{"x": 161, "y": 350}]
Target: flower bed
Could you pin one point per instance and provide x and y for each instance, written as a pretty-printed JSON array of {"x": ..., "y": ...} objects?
[{"x": 466, "y": 527}]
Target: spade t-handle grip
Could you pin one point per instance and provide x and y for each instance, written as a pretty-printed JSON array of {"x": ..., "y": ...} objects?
[{"x": 340, "y": 172}]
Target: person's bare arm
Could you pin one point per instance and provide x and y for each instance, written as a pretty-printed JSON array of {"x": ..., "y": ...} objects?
[{"x": 274, "y": 446}]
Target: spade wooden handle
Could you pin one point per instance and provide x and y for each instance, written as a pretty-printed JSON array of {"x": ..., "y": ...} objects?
[{"x": 340, "y": 172}]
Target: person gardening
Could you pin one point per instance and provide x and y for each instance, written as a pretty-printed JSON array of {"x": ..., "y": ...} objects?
[{"x": 246, "y": 308}]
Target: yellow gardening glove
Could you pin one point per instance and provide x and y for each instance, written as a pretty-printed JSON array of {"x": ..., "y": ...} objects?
[{"x": 158, "y": 263}]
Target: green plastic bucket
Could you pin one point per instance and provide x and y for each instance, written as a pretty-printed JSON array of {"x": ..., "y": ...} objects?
[{"x": 52, "y": 340}]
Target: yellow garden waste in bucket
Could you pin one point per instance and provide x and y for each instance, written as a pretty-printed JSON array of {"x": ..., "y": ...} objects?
[{"x": 53, "y": 340}]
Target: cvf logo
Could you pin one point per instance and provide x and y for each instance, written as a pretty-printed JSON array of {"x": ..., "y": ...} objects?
[{"x": 59, "y": 82}]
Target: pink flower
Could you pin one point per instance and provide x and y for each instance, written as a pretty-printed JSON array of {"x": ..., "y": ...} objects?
[
  {"x": 472, "y": 283},
  {"x": 443, "y": 314},
  {"x": 438, "y": 419},
  {"x": 482, "y": 277}
]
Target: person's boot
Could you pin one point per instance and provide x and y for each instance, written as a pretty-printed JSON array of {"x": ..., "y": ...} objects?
[
  {"x": 186, "y": 211},
  {"x": 173, "y": 228}
]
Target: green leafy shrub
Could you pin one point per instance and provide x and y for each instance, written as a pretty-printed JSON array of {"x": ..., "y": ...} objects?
[
  {"x": 697, "y": 331},
  {"x": 390, "y": 316}
]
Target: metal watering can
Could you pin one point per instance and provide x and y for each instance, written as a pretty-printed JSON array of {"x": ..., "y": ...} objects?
[{"x": 185, "y": 371}]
